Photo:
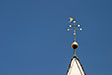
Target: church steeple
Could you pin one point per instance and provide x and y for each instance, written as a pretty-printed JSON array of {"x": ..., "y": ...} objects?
[{"x": 75, "y": 67}]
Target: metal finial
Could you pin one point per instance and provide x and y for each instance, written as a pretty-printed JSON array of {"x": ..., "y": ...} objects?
[{"x": 74, "y": 27}]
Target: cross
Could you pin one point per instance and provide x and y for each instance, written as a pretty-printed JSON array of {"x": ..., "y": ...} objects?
[{"x": 74, "y": 27}]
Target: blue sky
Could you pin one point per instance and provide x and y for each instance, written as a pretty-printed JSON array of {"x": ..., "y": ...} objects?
[{"x": 34, "y": 40}]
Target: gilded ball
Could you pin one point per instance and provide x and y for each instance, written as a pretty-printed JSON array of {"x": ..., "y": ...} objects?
[{"x": 74, "y": 45}]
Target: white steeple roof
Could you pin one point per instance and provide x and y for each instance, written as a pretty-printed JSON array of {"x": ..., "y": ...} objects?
[{"x": 75, "y": 67}]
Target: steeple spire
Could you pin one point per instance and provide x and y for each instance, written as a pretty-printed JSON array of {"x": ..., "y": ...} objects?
[{"x": 75, "y": 67}]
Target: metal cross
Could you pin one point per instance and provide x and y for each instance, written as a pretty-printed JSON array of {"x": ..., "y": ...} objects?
[{"x": 73, "y": 27}]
